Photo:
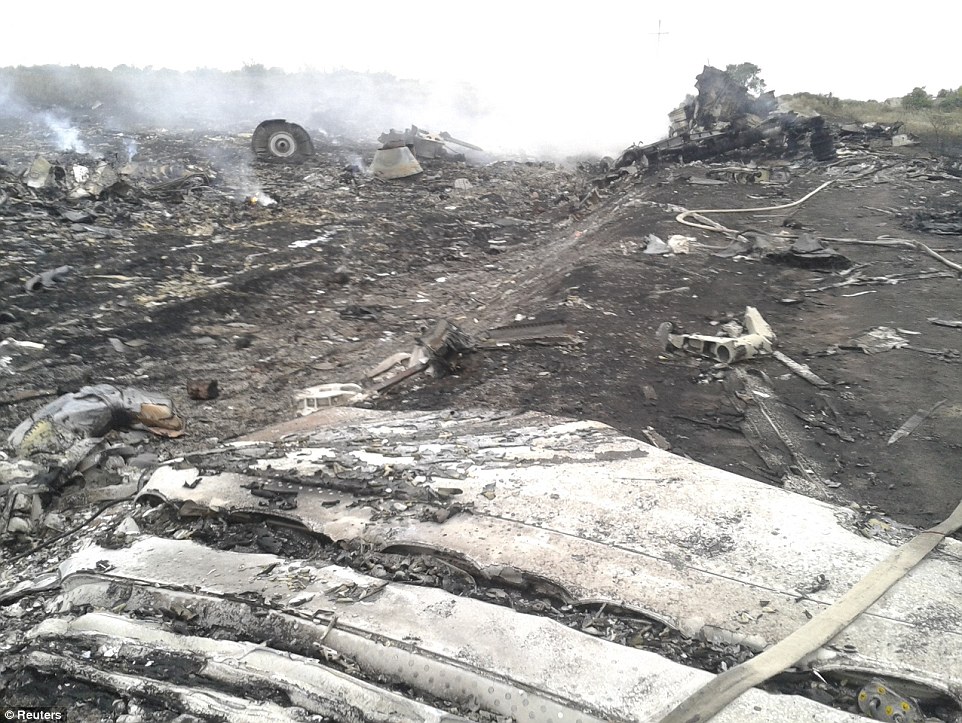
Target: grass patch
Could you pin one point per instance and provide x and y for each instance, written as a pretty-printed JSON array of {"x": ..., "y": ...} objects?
[{"x": 939, "y": 131}]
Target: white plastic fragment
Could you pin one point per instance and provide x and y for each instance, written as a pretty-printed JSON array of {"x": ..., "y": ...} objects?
[
  {"x": 10, "y": 343},
  {"x": 656, "y": 245},
  {"x": 680, "y": 244},
  {"x": 311, "y": 399},
  {"x": 39, "y": 173}
]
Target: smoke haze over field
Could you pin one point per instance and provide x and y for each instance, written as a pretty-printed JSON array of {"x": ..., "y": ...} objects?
[
  {"x": 359, "y": 106},
  {"x": 509, "y": 76}
]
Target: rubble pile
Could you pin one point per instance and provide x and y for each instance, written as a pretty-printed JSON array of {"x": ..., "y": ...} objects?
[
  {"x": 724, "y": 118},
  {"x": 770, "y": 294},
  {"x": 137, "y": 281}
]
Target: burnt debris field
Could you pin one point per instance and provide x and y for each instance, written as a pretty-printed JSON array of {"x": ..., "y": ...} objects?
[{"x": 770, "y": 295}]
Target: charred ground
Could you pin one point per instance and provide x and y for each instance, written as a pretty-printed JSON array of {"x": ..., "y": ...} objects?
[
  {"x": 175, "y": 282},
  {"x": 344, "y": 270}
]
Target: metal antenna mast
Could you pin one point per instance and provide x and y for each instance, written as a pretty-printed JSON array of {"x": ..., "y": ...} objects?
[{"x": 659, "y": 34}]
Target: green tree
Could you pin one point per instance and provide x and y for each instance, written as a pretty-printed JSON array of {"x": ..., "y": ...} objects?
[
  {"x": 918, "y": 99},
  {"x": 747, "y": 74},
  {"x": 948, "y": 99}
]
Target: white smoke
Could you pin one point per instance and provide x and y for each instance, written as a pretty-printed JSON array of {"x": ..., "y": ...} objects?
[
  {"x": 67, "y": 135},
  {"x": 357, "y": 164},
  {"x": 242, "y": 177},
  {"x": 351, "y": 107},
  {"x": 238, "y": 175},
  {"x": 130, "y": 144}
]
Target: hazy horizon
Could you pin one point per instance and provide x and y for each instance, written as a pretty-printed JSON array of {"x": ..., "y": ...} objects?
[{"x": 545, "y": 79}]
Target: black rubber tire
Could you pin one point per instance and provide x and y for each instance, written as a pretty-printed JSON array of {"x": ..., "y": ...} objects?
[{"x": 277, "y": 141}]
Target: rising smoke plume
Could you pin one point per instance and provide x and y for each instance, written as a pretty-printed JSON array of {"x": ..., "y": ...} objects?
[
  {"x": 66, "y": 136},
  {"x": 544, "y": 119}
]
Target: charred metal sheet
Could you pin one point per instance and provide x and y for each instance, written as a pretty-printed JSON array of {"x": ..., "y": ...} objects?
[
  {"x": 444, "y": 340},
  {"x": 721, "y": 99},
  {"x": 749, "y": 174},
  {"x": 192, "y": 699},
  {"x": 700, "y": 145},
  {"x": 535, "y": 332},
  {"x": 425, "y": 144},
  {"x": 521, "y": 666},
  {"x": 307, "y": 683},
  {"x": 602, "y": 517}
]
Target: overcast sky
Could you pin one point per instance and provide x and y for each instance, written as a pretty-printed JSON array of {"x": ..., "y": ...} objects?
[{"x": 597, "y": 68}]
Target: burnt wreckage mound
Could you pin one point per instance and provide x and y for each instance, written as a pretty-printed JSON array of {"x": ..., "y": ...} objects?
[{"x": 725, "y": 117}]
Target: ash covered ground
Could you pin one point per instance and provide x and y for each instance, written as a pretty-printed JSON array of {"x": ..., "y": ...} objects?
[
  {"x": 202, "y": 265},
  {"x": 343, "y": 270}
]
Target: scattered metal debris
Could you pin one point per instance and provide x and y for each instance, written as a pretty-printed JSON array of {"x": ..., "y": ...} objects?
[
  {"x": 707, "y": 224},
  {"x": 425, "y": 144},
  {"x": 805, "y": 252},
  {"x": 47, "y": 279},
  {"x": 886, "y": 241},
  {"x": 400, "y": 150},
  {"x": 857, "y": 279},
  {"x": 945, "y": 223},
  {"x": 801, "y": 370},
  {"x": 443, "y": 345},
  {"x": 656, "y": 439},
  {"x": 38, "y": 175},
  {"x": 749, "y": 174},
  {"x": 878, "y": 340},
  {"x": 808, "y": 252},
  {"x": 913, "y": 422},
  {"x": 773, "y": 431},
  {"x": 173, "y": 269},
  {"x": 533, "y": 332},
  {"x": 758, "y": 338},
  {"x": 676, "y": 244},
  {"x": 440, "y": 349},
  {"x": 956, "y": 324},
  {"x": 395, "y": 162}
]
